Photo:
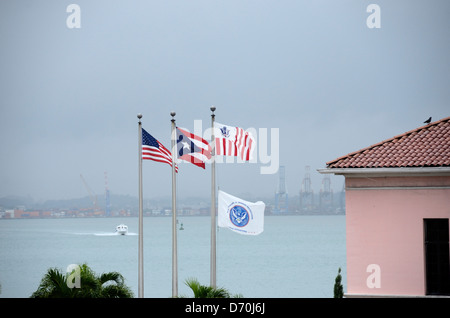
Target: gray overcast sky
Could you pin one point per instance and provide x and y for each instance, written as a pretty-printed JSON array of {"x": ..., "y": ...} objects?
[{"x": 312, "y": 69}]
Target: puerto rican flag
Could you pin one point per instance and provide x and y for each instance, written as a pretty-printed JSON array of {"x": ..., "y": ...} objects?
[
  {"x": 233, "y": 141},
  {"x": 192, "y": 148}
]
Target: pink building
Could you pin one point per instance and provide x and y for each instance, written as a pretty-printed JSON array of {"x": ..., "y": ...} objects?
[{"x": 397, "y": 214}]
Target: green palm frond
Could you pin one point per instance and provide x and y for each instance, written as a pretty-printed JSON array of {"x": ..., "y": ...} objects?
[
  {"x": 112, "y": 276},
  {"x": 53, "y": 285},
  {"x": 202, "y": 291},
  {"x": 108, "y": 285}
]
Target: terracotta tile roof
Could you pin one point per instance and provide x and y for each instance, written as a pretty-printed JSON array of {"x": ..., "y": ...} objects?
[{"x": 426, "y": 146}]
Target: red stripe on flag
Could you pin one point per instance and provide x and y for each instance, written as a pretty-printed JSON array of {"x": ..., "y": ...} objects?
[
  {"x": 218, "y": 152},
  {"x": 157, "y": 154},
  {"x": 225, "y": 148}
]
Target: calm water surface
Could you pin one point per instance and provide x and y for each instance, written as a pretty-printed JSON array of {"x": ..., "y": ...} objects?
[{"x": 295, "y": 256}]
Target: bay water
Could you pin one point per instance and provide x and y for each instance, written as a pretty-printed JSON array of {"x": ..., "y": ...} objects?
[{"x": 295, "y": 256}]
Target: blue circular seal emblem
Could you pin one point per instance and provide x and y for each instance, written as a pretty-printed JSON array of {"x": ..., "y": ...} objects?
[{"x": 239, "y": 216}]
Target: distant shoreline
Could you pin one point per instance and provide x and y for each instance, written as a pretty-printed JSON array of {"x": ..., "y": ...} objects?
[{"x": 160, "y": 216}]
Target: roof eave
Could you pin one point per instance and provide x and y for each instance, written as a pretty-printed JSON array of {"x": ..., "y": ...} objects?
[{"x": 391, "y": 172}]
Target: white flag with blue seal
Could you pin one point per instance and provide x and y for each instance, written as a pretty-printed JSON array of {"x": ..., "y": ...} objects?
[{"x": 239, "y": 215}]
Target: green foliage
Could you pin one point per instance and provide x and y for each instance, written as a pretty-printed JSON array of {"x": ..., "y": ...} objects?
[
  {"x": 202, "y": 291},
  {"x": 338, "y": 288},
  {"x": 54, "y": 284}
]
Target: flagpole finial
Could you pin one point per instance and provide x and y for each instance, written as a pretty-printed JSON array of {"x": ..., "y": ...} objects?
[
  {"x": 139, "y": 116},
  {"x": 213, "y": 108},
  {"x": 173, "y": 115}
]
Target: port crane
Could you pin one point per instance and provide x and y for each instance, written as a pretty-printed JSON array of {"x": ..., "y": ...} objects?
[{"x": 91, "y": 193}]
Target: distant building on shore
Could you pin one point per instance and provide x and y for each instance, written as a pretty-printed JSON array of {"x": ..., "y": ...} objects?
[{"x": 397, "y": 214}]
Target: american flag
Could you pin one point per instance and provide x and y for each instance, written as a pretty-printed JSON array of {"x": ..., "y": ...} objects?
[
  {"x": 233, "y": 141},
  {"x": 152, "y": 149}
]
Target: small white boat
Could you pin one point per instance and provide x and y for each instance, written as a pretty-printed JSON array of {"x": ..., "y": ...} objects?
[{"x": 121, "y": 229}]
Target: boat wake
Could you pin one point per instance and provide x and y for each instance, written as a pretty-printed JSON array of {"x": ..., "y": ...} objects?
[
  {"x": 108, "y": 234},
  {"x": 115, "y": 234}
]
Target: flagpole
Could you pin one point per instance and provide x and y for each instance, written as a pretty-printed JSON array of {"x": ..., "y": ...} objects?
[
  {"x": 174, "y": 214},
  {"x": 141, "y": 233},
  {"x": 213, "y": 202}
]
